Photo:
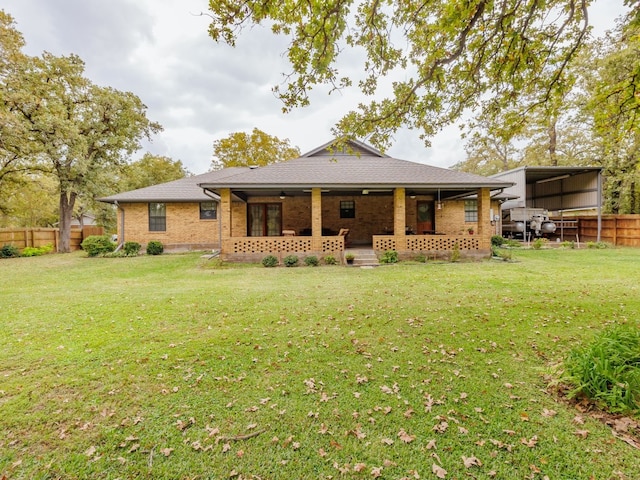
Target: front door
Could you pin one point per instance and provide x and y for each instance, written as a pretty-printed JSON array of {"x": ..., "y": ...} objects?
[
  {"x": 425, "y": 218},
  {"x": 265, "y": 220}
]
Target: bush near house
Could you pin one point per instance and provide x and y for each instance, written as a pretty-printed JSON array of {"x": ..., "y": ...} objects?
[
  {"x": 9, "y": 251},
  {"x": 270, "y": 261},
  {"x": 155, "y": 247},
  {"x": 96, "y": 245}
]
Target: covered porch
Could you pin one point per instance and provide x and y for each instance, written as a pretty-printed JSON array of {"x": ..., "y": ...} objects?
[{"x": 258, "y": 222}]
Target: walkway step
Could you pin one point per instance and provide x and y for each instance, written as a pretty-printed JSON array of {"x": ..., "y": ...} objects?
[{"x": 364, "y": 258}]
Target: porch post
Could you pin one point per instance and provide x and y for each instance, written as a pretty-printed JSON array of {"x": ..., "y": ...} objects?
[
  {"x": 316, "y": 219},
  {"x": 225, "y": 218},
  {"x": 484, "y": 218},
  {"x": 400, "y": 218}
]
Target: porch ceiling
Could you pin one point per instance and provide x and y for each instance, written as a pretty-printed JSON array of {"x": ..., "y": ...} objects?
[{"x": 364, "y": 191}]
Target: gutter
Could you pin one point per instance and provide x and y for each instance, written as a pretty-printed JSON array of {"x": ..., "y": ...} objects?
[{"x": 217, "y": 200}]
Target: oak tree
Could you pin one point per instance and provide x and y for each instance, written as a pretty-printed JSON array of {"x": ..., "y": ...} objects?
[
  {"x": 442, "y": 57},
  {"x": 241, "y": 149}
]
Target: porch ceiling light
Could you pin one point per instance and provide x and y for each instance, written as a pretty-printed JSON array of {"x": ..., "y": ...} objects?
[
  {"x": 412, "y": 195},
  {"x": 282, "y": 195}
]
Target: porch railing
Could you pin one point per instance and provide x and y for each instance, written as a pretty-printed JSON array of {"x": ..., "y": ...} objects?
[
  {"x": 265, "y": 245},
  {"x": 428, "y": 243}
]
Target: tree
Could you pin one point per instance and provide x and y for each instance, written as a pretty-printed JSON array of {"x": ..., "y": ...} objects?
[
  {"x": 151, "y": 170},
  {"x": 445, "y": 56},
  {"x": 72, "y": 129},
  {"x": 258, "y": 148}
]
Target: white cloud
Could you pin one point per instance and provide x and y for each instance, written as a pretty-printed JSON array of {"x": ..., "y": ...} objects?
[{"x": 198, "y": 90}]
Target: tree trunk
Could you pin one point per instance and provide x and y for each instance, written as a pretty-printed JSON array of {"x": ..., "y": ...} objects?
[{"x": 67, "y": 202}]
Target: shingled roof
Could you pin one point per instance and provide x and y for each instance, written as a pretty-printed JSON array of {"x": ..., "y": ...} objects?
[
  {"x": 355, "y": 166},
  {"x": 183, "y": 190}
]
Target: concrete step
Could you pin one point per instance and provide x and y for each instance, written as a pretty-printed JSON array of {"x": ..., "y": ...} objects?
[{"x": 364, "y": 258}]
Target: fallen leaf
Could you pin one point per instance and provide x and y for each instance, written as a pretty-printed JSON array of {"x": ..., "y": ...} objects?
[
  {"x": 438, "y": 471},
  {"x": 91, "y": 451},
  {"x": 166, "y": 451},
  {"x": 581, "y": 433},
  {"x": 431, "y": 445},
  {"x": 376, "y": 472},
  {"x": 548, "y": 413},
  {"x": 405, "y": 437},
  {"x": 471, "y": 461},
  {"x": 531, "y": 442}
]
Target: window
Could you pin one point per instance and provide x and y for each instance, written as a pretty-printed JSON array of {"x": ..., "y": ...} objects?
[
  {"x": 470, "y": 210},
  {"x": 157, "y": 217},
  {"x": 208, "y": 211},
  {"x": 347, "y": 209},
  {"x": 265, "y": 219}
]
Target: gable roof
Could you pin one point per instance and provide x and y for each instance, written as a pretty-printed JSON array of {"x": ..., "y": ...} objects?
[
  {"x": 357, "y": 166},
  {"x": 183, "y": 190}
]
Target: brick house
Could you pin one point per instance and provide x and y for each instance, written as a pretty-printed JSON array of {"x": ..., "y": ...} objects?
[{"x": 301, "y": 206}]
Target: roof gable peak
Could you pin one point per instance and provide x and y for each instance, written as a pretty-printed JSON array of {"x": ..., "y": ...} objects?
[{"x": 344, "y": 147}]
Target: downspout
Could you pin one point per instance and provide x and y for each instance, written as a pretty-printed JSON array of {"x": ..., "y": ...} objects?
[
  {"x": 217, "y": 200},
  {"x": 120, "y": 237}
]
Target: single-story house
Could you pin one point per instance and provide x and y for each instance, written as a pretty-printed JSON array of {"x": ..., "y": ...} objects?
[{"x": 318, "y": 204}]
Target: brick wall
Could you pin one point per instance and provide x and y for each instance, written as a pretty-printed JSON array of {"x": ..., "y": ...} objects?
[{"x": 184, "y": 227}]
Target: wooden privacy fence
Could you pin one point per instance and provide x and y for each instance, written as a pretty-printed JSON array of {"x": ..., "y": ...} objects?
[
  {"x": 623, "y": 230},
  {"x": 620, "y": 230},
  {"x": 39, "y": 237}
]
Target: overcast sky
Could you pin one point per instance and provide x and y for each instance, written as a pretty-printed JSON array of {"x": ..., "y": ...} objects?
[{"x": 201, "y": 91}]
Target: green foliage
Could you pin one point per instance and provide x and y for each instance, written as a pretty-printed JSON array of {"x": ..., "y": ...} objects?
[
  {"x": 131, "y": 249},
  {"x": 511, "y": 243},
  {"x": 568, "y": 244},
  {"x": 258, "y": 148},
  {"x": 390, "y": 256},
  {"x": 501, "y": 253},
  {"x": 290, "y": 261},
  {"x": 330, "y": 260},
  {"x": 36, "y": 251},
  {"x": 538, "y": 243},
  {"x": 155, "y": 247},
  {"x": 497, "y": 240},
  {"x": 270, "y": 261},
  {"x": 96, "y": 245},
  {"x": 607, "y": 370},
  {"x": 597, "y": 245},
  {"x": 460, "y": 54},
  {"x": 311, "y": 261},
  {"x": 9, "y": 251},
  {"x": 455, "y": 253}
]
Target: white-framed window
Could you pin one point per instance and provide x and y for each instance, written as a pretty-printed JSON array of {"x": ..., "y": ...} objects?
[{"x": 470, "y": 210}]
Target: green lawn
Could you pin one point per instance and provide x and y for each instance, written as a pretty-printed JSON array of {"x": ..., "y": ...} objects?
[{"x": 165, "y": 367}]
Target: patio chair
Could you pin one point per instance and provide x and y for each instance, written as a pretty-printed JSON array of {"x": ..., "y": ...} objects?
[
  {"x": 344, "y": 232},
  {"x": 288, "y": 233}
]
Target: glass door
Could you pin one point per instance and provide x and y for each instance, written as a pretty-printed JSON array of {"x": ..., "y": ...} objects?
[{"x": 265, "y": 219}]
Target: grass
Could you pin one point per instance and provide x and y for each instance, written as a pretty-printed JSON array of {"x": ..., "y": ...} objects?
[{"x": 166, "y": 367}]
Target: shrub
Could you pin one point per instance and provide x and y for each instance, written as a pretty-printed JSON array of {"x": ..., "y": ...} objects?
[
  {"x": 497, "y": 240},
  {"x": 96, "y": 245},
  {"x": 36, "y": 251},
  {"x": 455, "y": 253},
  {"x": 9, "y": 251},
  {"x": 390, "y": 256},
  {"x": 311, "y": 261},
  {"x": 538, "y": 243},
  {"x": 131, "y": 249},
  {"x": 608, "y": 369},
  {"x": 270, "y": 261},
  {"x": 568, "y": 244},
  {"x": 597, "y": 245},
  {"x": 330, "y": 260},
  {"x": 290, "y": 261},
  {"x": 154, "y": 247}
]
